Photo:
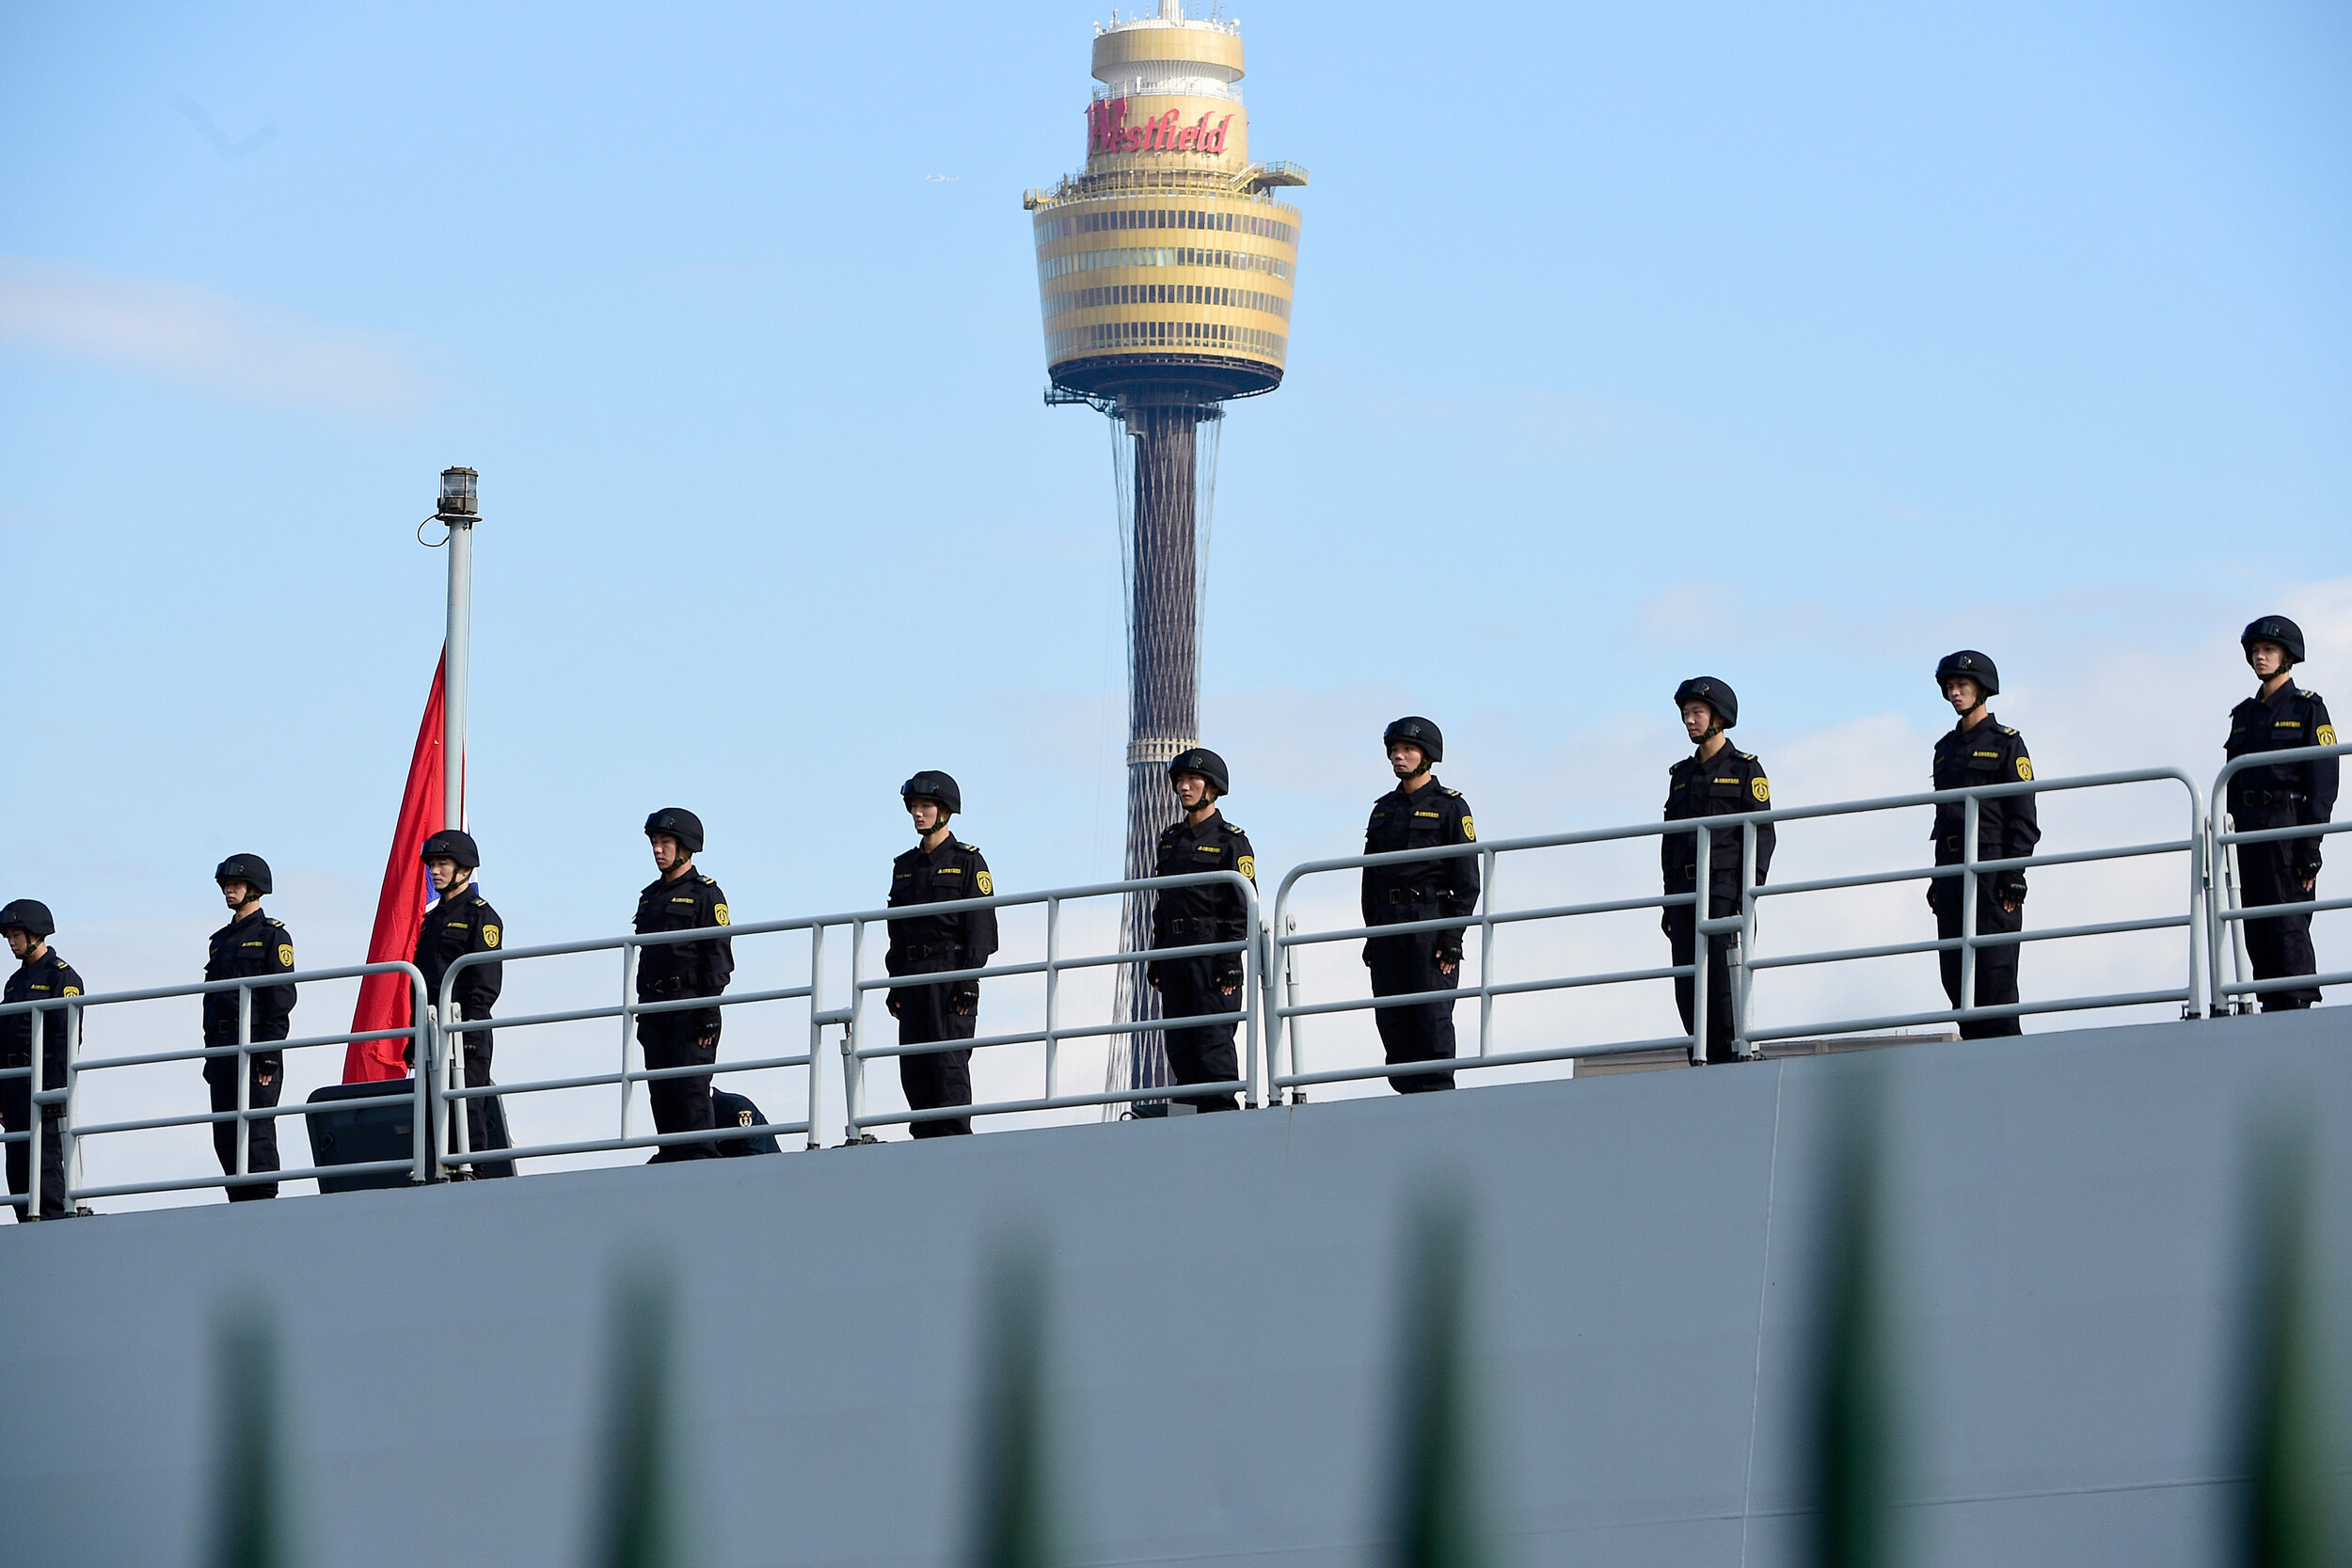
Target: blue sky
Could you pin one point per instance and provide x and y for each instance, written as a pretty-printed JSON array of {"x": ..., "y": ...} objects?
[{"x": 1798, "y": 346}]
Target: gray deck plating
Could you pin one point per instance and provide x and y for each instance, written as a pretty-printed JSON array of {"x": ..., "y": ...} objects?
[{"x": 1224, "y": 1301}]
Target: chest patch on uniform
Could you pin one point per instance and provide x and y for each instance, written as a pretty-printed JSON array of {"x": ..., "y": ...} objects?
[
  {"x": 2287, "y": 724},
  {"x": 720, "y": 914},
  {"x": 1428, "y": 814},
  {"x": 459, "y": 925},
  {"x": 1760, "y": 787},
  {"x": 489, "y": 936},
  {"x": 2025, "y": 767},
  {"x": 1210, "y": 848},
  {"x": 1994, "y": 755},
  {"x": 681, "y": 900},
  {"x": 285, "y": 954},
  {"x": 949, "y": 871},
  {"x": 985, "y": 883},
  {"x": 1727, "y": 781},
  {"x": 257, "y": 944}
]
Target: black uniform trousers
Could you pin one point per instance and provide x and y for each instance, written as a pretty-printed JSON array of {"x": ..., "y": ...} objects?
[
  {"x": 681, "y": 1104},
  {"x": 261, "y": 1149},
  {"x": 1997, "y": 967},
  {"x": 1682, "y": 942},
  {"x": 2280, "y": 946},
  {"x": 1188, "y": 988},
  {"x": 485, "y": 1119},
  {"x": 16, "y": 1114},
  {"x": 935, "y": 1079},
  {"x": 1422, "y": 1032}
]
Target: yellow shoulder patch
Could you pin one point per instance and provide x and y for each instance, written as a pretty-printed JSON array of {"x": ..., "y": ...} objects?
[
  {"x": 2025, "y": 767},
  {"x": 2327, "y": 735},
  {"x": 718, "y": 913},
  {"x": 285, "y": 954},
  {"x": 71, "y": 991},
  {"x": 1470, "y": 829},
  {"x": 489, "y": 936},
  {"x": 1248, "y": 866},
  {"x": 986, "y": 883},
  {"x": 1762, "y": 787}
]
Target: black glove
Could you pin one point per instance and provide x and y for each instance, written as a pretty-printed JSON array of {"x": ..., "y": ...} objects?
[
  {"x": 1227, "y": 979},
  {"x": 2309, "y": 868},
  {"x": 2014, "y": 891},
  {"x": 1450, "y": 950},
  {"x": 965, "y": 996}
]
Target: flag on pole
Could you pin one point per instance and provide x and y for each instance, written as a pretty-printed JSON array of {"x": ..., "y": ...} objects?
[{"x": 400, "y": 908}]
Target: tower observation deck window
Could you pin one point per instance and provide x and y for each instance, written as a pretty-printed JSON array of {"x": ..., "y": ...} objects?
[{"x": 1051, "y": 228}]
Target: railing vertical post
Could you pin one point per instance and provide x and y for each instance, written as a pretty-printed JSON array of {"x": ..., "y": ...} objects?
[
  {"x": 628, "y": 1021},
  {"x": 816, "y": 1137},
  {"x": 1486, "y": 951},
  {"x": 1742, "y": 942},
  {"x": 1053, "y": 990},
  {"x": 2200, "y": 907},
  {"x": 853, "y": 1066},
  {"x": 1254, "y": 1003},
  {"x": 2240, "y": 970},
  {"x": 1971, "y": 809},
  {"x": 69, "y": 1147},
  {"x": 425, "y": 1052},
  {"x": 245, "y": 1076},
  {"x": 1702, "y": 904},
  {"x": 33, "y": 1090},
  {"x": 1282, "y": 1043},
  {"x": 454, "y": 1078}
]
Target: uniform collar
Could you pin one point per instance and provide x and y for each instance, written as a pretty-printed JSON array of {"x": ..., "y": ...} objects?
[
  {"x": 1404, "y": 794},
  {"x": 259, "y": 913},
  {"x": 1992, "y": 726}
]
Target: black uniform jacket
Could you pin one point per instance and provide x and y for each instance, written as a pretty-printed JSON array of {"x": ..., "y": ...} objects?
[
  {"x": 2007, "y": 825},
  {"x": 954, "y": 870},
  {"x": 672, "y": 969},
  {"x": 1209, "y": 911},
  {"x": 1421, "y": 820},
  {"x": 255, "y": 945},
  {"x": 2284, "y": 795},
  {"x": 1727, "y": 785},
  {"x": 41, "y": 980},
  {"x": 461, "y": 922}
]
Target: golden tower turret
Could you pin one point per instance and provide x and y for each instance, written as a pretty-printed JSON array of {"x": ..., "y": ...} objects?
[{"x": 1166, "y": 262}]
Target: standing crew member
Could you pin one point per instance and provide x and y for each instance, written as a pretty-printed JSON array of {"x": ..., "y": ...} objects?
[
  {"x": 1419, "y": 813},
  {"x": 460, "y": 922},
  {"x": 2277, "y": 718},
  {"x": 1981, "y": 750},
  {"x": 680, "y": 900},
  {"x": 40, "y": 975},
  {"x": 939, "y": 869},
  {"x": 1717, "y": 780},
  {"x": 250, "y": 943},
  {"x": 1202, "y": 840}
]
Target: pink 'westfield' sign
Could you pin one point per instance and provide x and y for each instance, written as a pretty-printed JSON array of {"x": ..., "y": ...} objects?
[{"x": 1107, "y": 131}]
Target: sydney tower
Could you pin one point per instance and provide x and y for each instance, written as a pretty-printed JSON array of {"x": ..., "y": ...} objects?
[{"x": 1166, "y": 272}]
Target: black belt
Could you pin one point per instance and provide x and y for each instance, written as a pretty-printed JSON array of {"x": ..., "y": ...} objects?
[
  {"x": 1411, "y": 895},
  {"x": 2271, "y": 797},
  {"x": 928, "y": 949},
  {"x": 1177, "y": 927}
]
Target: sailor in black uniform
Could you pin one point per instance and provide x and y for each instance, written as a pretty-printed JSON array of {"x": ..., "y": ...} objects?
[
  {"x": 461, "y": 921},
  {"x": 940, "y": 870},
  {"x": 1195, "y": 917},
  {"x": 251, "y": 943},
  {"x": 1981, "y": 750},
  {"x": 2279, "y": 716},
  {"x": 41, "y": 975},
  {"x": 680, "y": 900},
  {"x": 1419, "y": 813},
  {"x": 1716, "y": 780}
]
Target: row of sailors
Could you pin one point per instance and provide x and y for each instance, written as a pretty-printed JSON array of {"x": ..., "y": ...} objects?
[{"x": 1716, "y": 778}]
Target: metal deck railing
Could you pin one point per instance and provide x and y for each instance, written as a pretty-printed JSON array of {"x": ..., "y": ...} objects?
[{"x": 2214, "y": 978}]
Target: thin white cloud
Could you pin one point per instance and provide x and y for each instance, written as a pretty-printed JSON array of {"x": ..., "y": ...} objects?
[{"x": 205, "y": 341}]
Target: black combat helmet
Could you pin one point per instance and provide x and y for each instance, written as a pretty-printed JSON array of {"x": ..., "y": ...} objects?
[
  {"x": 450, "y": 844},
  {"x": 679, "y": 824},
  {"x": 1207, "y": 763},
  {"x": 1413, "y": 730},
  {"x": 2274, "y": 628},
  {"x": 1972, "y": 665},
  {"x": 1714, "y": 693},
  {"x": 29, "y": 915},
  {"x": 252, "y": 870},
  {"x": 931, "y": 784}
]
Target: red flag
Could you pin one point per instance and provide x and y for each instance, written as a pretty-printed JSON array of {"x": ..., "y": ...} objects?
[{"x": 400, "y": 909}]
